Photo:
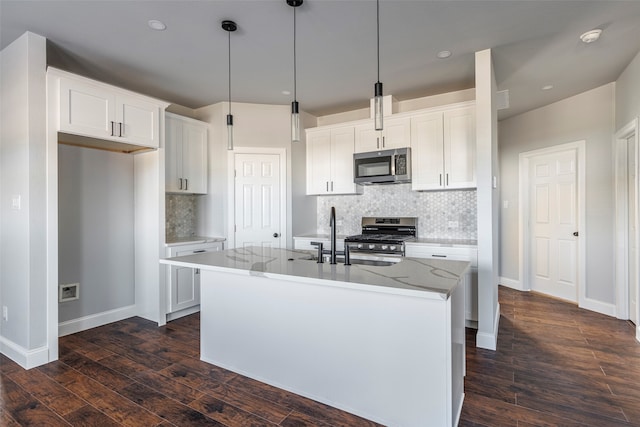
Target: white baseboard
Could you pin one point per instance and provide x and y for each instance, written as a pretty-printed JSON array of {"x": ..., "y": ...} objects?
[
  {"x": 490, "y": 340},
  {"x": 182, "y": 313},
  {"x": 638, "y": 333},
  {"x": 26, "y": 358},
  {"x": 510, "y": 283},
  {"x": 95, "y": 320},
  {"x": 598, "y": 307}
]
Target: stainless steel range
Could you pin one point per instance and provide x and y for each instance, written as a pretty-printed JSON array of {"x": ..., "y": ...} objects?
[{"x": 384, "y": 236}]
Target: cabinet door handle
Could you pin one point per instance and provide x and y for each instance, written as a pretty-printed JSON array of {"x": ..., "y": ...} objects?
[
  {"x": 378, "y": 143},
  {"x": 112, "y": 131},
  {"x": 186, "y": 183},
  {"x": 327, "y": 186},
  {"x": 120, "y": 131},
  {"x": 180, "y": 183},
  {"x": 441, "y": 180},
  {"x": 383, "y": 142},
  {"x": 331, "y": 185},
  {"x": 447, "y": 180}
]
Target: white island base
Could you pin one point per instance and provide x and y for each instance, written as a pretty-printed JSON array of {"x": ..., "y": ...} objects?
[{"x": 397, "y": 359}]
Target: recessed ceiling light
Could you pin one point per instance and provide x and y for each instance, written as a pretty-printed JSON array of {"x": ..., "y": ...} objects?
[
  {"x": 547, "y": 87},
  {"x": 591, "y": 36},
  {"x": 286, "y": 92},
  {"x": 157, "y": 25},
  {"x": 443, "y": 54}
]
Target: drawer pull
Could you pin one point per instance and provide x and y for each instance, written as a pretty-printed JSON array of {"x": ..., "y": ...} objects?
[
  {"x": 439, "y": 256},
  {"x": 199, "y": 251}
]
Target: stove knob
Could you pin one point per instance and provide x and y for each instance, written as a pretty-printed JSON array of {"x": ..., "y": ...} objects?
[
  {"x": 384, "y": 247},
  {"x": 372, "y": 246},
  {"x": 392, "y": 248},
  {"x": 359, "y": 245}
]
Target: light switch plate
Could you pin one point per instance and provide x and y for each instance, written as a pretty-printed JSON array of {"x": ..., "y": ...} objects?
[{"x": 16, "y": 202}]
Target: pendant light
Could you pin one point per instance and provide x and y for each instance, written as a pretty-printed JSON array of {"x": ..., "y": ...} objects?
[
  {"x": 295, "y": 113},
  {"x": 377, "y": 88},
  {"x": 229, "y": 27}
]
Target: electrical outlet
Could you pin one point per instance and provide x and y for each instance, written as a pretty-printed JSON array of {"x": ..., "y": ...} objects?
[
  {"x": 453, "y": 224},
  {"x": 5, "y": 313}
]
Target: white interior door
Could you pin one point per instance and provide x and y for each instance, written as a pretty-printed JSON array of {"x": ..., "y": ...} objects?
[
  {"x": 632, "y": 228},
  {"x": 257, "y": 200},
  {"x": 554, "y": 220}
]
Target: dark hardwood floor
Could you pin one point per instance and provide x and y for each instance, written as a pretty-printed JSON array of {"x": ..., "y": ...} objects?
[{"x": 556, "y": 365}]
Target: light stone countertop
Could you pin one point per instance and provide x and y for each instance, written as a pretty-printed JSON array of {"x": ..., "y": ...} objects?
[
  {"x": 421, "y": 277},
  {"x": 192, "y": 240}
]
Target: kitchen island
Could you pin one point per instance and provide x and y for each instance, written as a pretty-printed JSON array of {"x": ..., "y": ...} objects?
[{"x": 382, "y": 342}]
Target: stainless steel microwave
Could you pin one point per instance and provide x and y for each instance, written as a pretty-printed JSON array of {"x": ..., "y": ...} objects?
[{"x": 382, "y": 167}]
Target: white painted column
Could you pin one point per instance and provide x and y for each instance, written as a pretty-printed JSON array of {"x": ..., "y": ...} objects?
[{"x": 488, "y": 201}]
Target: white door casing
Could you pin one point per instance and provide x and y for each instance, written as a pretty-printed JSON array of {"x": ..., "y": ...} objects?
[
  {"x": 632, "y": 230},
  {"x": 258, "y": 202},
  {"x": 552, "y": 259},
  {"x": 625, "y": 148}
]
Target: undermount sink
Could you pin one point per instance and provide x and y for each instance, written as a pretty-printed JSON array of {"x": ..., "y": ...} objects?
[{"x": 361, "y": 261}]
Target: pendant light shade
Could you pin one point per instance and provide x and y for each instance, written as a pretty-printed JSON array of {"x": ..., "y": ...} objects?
[
  {"x": 295, "y": 112},
  {"x": 378, "y": 113},
  {"x": 229, "y": 27}
]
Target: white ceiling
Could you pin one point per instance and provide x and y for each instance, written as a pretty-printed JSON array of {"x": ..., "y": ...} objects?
[{"x": 535, "y": 43}]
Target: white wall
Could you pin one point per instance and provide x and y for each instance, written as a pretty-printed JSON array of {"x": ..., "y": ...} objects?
[
  {"x": 588, "y": 116},
  {"x": 23, "y": 260},
  {"x": 96, "y": 229},
  {"x": 628, "y": 94},
  {"x": 255, "y": 125}
]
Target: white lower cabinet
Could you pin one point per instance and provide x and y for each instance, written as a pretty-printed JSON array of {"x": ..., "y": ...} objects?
[
  {"x": 183, "y": 283},
  {"x": 469, "y": 253}
]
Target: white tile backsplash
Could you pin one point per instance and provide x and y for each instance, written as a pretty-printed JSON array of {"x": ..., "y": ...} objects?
[
  {"x": 180, "y": 211},
  {"x": 438, "y": 212}
]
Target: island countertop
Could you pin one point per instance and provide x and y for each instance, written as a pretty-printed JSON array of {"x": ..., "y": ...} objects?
[{"x": 420, "y": 277}]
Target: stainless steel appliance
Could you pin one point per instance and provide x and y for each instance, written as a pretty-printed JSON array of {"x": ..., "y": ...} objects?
[
  {"x": 382, "y": 167},
  {"x": 384, "y": 237}
]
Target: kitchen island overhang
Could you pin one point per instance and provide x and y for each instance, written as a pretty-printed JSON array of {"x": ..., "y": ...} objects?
[{"x": 385, "y": 343}]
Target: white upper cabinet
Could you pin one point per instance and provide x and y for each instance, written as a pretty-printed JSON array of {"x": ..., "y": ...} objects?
[
  {"x": 97, "y": 110},
  {"x": 396, "y": 134},
  {"x": 443, "y": 149},
  {"x": 186, "y": 155},
  {"x": 330, "y": 161}
]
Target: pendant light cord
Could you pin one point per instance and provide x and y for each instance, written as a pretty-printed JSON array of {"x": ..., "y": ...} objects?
[
  {"x": 294, "y": 56},
  {"x": 378, "y": 33},
  {"x": 229, "y": 33}
]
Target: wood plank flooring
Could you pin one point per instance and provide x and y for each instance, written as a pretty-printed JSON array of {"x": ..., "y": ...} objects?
[{"x": 556, "y": 365}]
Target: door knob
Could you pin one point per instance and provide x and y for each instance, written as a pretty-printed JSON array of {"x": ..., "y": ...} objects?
[
  {"x": 276, "y": 235},
  {"x": 575, "y": 233}
]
